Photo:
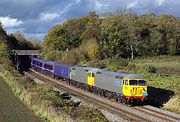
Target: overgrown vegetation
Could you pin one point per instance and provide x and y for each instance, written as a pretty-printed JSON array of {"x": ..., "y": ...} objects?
[
  {"x": 40, "y": 97},
  {"x": 48, "y": 104}
]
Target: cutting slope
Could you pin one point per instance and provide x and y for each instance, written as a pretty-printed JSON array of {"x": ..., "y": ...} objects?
[{"x": 11, "y": 108}]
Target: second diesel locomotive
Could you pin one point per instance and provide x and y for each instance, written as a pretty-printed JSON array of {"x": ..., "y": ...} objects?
[{"x": 122, "y": 86}]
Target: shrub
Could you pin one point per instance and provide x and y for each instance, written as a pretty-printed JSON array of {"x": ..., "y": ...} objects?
[
  {"x": 168, "y": 70},
  {"x": 90, "y": 49},
  {"x": 93, "y": 49},
  {"x": 95, "y": 63},
  {"x": 131, "y": 66},
  {"x": 150, "y": 69},
  {"x": 53, "y": 55},
  {"x": 70, "y": 57}
]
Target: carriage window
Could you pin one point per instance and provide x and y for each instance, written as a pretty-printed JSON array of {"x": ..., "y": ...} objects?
[
  {"x": 46, "y": 66},
  {"x": 98, "y": 73},
  {"x": 73, "y": 68},
  {"x": 39, "y": 64},
  {"x": 34, "y": 62}
]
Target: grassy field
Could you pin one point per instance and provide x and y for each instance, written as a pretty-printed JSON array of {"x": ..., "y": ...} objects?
[
  {"x": 11, "y": 109},
  {"x": 163, "y": 75}
]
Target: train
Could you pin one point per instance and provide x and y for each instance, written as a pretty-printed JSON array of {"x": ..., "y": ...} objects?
[{"x": 121, "y": 86}]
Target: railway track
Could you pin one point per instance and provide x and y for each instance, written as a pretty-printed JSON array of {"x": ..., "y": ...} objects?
[
  {"x": 160, "y": 115},
  {"x": 124, "y": 111}
]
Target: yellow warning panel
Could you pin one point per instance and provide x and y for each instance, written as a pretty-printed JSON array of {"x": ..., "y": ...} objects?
[{"x": 91, "y": 78}]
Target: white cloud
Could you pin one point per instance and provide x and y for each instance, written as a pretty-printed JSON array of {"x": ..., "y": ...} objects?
[
  {"x": 98, "y": 5},
  {"x": 132, "y": 4},
  {"x": 78, "y": 1},
  {"x": 10, "y": 22},
  {"x": 48, "y": 16},
  {"x": 160, "y": 2},
  {"x": 14, "y": 30}
]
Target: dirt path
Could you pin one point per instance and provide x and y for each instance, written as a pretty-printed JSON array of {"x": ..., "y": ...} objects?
[{"x": 11, "y": 108}]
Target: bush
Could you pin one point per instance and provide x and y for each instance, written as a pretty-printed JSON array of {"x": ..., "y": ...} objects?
[
  {"x": 116, "y": 63},
  {"x": 131, "y": 66},
  {"x": 168, "y": 70},
  {"x": 95, "y": 63},
  {"x": 70, "y": 57},
  {"x": 151, "y": 69},
  {"x": 92, "y": 49},
  {"x": 53, "y": 55}
]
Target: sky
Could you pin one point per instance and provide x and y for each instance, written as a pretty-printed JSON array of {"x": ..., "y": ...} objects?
[{"x": 34, "y": 18}]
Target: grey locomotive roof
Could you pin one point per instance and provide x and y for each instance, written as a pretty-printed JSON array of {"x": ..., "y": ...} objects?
[
  {"x": 133, "y": 76},
  {"x": 94, "y": 70},
  {"x": 86, "y": 68},
  {"x": 112, "y": 73},
  {"x": 108, "y": 72},
  {"x": 117, "y": 73}
]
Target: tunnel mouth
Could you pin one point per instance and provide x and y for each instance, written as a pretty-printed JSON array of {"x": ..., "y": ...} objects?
[
  {"x": 22, "y": 58},
  {"x": 22, "y": 63}
]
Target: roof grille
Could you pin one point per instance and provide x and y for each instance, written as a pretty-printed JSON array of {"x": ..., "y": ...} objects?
[{"x": 119, "y": 77}]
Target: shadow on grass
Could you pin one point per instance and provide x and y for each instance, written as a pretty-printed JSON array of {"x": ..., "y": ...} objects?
[{"x": 157, "y": 97}]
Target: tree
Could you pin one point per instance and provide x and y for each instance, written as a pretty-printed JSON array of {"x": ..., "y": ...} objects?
[
  {"x": 36, "y": 43},
  {"x": 4, "y": 54}
]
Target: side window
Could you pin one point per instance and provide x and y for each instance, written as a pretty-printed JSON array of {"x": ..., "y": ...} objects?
[
  {"x": 93, "y": 75},
  {"x": 126, "y": 82},
  {"x": 73, "y": 68},
  {"x": 123, "y": 82}
]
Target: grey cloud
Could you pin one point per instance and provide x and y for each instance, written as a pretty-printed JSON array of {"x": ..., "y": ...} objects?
[
  {"x": 23, "y": 9},
  {"x": 31, "y": 12}
]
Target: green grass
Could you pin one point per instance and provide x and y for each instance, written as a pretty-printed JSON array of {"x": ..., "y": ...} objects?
[
  {"x": 11, "y": 108},
  {"x": 46, "y": 103},
  {"x": 165, "y": 83}
]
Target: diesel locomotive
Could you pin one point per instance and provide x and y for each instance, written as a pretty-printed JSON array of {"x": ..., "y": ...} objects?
[{"x": 121, "y": 86}]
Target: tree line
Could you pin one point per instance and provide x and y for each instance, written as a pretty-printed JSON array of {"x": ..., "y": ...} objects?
[
  {"x": 120, "y": 34},
  {"x": 12, "y": 42},
  {"x": 18, "y": 41}
]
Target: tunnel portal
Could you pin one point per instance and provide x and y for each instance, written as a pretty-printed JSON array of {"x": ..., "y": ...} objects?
[{"x": 22, "y": 58}]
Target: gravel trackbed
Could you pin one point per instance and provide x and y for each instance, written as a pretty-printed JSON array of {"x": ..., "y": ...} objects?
[{"x": 11, "y": 108}]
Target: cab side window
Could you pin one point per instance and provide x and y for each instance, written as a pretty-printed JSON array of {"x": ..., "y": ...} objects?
[
  {"x": 93, "y": 75},
  {"x": 126, "y": 82}
]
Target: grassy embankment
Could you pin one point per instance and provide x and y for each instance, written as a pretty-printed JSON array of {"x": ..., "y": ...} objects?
[
  {"x": 46, "y": 103},
  {"x": 11, "y": 108},
  {"x": 162, "y": 74}
]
